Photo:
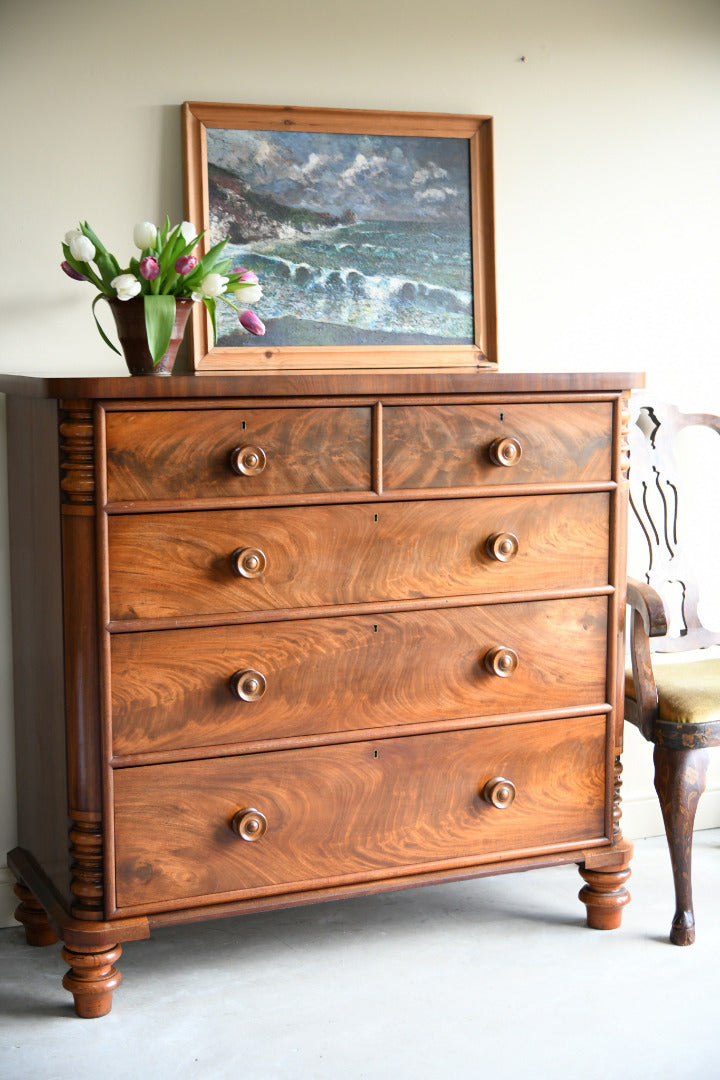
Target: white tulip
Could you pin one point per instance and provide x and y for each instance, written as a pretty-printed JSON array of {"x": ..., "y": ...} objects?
[
  {"x": 144, "y": 235},
  {"x": 69, "y": 236},
  {"x": 211, "y": 285},
  {"x": 81, "y": 248},
  {"x": 248, "y": 294},
  {"x": 126, "y": 286},
  {"x": 187, "y": 231}
]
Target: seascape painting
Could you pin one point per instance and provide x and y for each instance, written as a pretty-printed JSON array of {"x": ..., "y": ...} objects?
[{"x": 357, "y": 239}]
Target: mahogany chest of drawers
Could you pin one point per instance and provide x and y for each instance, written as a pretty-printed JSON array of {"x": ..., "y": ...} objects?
[{"x": 285, "y": 638}]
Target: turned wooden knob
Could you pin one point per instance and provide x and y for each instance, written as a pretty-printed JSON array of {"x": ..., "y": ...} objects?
[
  {"x": 502, "y": 546},
  {"x": 249, "y": 824},
  {"x": 248, "y": 562},
  {"x": 499, "y": 792},
  {"x": 505, "y": 451},
  {"x": 501, "y": 661},
  {"x": 248, "y": 685},
  {"x": 248, "y": 460}
]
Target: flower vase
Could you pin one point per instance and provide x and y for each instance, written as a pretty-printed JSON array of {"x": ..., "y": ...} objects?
[{"x": 129, "y": 318}]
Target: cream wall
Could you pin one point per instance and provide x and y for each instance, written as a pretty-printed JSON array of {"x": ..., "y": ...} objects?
[{"x": 607, "y": 171}]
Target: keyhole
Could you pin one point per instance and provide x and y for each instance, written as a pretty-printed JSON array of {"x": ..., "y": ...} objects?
[
  {"x": 243, "y": 425},
  {"x": 502, "y": 417},
  {"x": 375, "y": 753}
]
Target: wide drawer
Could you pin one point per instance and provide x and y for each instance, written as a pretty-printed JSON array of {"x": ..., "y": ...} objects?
[
  {"x": 474, "y": 445},
  {"x": 177, "y": 689},
  {"x": 221, "y": 453},
  {"x": 176, "y": 565},
  {"x": 353, "y": 812}
]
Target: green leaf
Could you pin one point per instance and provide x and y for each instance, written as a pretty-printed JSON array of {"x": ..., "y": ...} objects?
[
  {"x": 102, "y": 333},
  {"x": 159, "y": 323},
  {"x": 209, "y": 302},
  {"x": 87, "y": 271}
]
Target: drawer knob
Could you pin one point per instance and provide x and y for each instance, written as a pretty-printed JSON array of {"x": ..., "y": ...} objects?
[
  {"x": 248, "y": 460},
  {"x": 505, "y": 451},
  {"x": 248, "y": 562},
  {"x": 502, "y": 546},
  {"x": 249, "y": 824},
  {"x": 501, "y": 661},
  {"x": 499, "y": 792},
  {"x": 248, "y": 685}
]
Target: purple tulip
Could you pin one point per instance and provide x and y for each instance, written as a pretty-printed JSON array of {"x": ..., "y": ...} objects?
[
  {"x": 185, "y": 264},
  {"x": 253, "y": 325},
  {"x": 71, "y": 271},
  {"x": 149, "y": 267}
]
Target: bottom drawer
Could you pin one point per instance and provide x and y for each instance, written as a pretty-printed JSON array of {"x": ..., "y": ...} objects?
[{"x": 353, "y": 812}]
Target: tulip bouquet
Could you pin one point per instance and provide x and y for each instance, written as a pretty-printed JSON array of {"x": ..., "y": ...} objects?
[{"x": 165, "y": 270}]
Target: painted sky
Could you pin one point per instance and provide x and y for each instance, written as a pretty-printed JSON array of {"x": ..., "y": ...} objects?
[{"x": 380, "y": 177}]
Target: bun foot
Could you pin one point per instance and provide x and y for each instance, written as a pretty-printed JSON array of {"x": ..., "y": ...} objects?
[
  {"x": 91, "y": 980},
  {"x": 33, "y": 917},
  {"x": 605, "y": 895}
]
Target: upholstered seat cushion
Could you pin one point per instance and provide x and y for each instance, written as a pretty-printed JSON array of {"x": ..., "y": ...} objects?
[{"x": 688, "y": 693}]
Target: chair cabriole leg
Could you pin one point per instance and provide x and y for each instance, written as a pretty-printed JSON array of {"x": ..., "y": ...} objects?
[{"x": 679, "y": 782}]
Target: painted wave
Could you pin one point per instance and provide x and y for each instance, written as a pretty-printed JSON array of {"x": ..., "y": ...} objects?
[{"x": 399, "y": 280}]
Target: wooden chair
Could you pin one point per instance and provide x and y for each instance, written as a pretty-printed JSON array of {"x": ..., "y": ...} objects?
[{"x": 675, "y": 705}]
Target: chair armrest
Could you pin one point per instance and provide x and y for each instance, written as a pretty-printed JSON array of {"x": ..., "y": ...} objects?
[
  {"x": 648, "y": 620},
  {"x": 643, "y": 599}
]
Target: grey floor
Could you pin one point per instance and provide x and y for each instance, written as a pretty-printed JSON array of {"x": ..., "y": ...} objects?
[{"x": 495, "y": 978}]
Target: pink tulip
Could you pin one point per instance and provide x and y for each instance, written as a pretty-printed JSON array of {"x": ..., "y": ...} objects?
[
  {"x": 246, "y": 275},
  {"x": 149, "y": 267},
  {"x": 185, "y": 264},
  {"x": 253, "y": 325},
  {"x": 71, "y": 271}
]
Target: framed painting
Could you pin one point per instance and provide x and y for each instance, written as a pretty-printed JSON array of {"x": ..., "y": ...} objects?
[{"x": 371, "y": 234}]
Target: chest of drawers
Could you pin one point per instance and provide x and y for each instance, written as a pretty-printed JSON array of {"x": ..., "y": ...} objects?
[{"x": 286, "y": 638}]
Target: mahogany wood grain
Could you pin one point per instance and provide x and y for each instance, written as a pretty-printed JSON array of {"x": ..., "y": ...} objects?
[
  {"x": 449, "y": 445},
  {"x": 323, "y": 384},
  {"x": 348, "y": 554},
  {"x": 343, "y": 811},
  {"x": 166, "y": 455},
  {"x": 171, "y": 689},
  {"x": 37, "y": 620}
]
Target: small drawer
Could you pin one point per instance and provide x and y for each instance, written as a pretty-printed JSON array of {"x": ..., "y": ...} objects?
[
  {"x": 235, "y": 453},
  {"x": 225, "y": 561},
  {"x": 177, "y": 689},
  {"x": 242, "y": 827},
  {"x": 476, "y": 445}
]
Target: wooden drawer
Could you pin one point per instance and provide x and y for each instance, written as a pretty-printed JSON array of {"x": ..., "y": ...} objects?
[
  {"x": 358, "y": 811},
  {"x": 174, "y": 689},
  {"x": 452, "y": 445},
  {"x": 188, "y": 454},
  {"x": 350, "y": 554}
]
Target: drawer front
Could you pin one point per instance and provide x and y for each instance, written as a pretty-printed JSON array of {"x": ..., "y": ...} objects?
[
  {"x": 474, "y": 445},
  {"x": 305, "y": 557},
  {"x": 354, "y": 812},
  {"x": 176, "y": 689},
  {"x": 221, "y": 453}
]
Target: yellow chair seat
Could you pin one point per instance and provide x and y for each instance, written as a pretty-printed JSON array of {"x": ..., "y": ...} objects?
[{"x": 687, "y": 693}]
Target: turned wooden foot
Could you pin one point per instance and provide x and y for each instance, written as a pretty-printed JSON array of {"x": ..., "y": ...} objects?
[
  {"x": 91, "y": 979},
  {"x": 33, "y": 918},
  {"x": 679, "y": 782},
  {"x": 604, "y": 893}
]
